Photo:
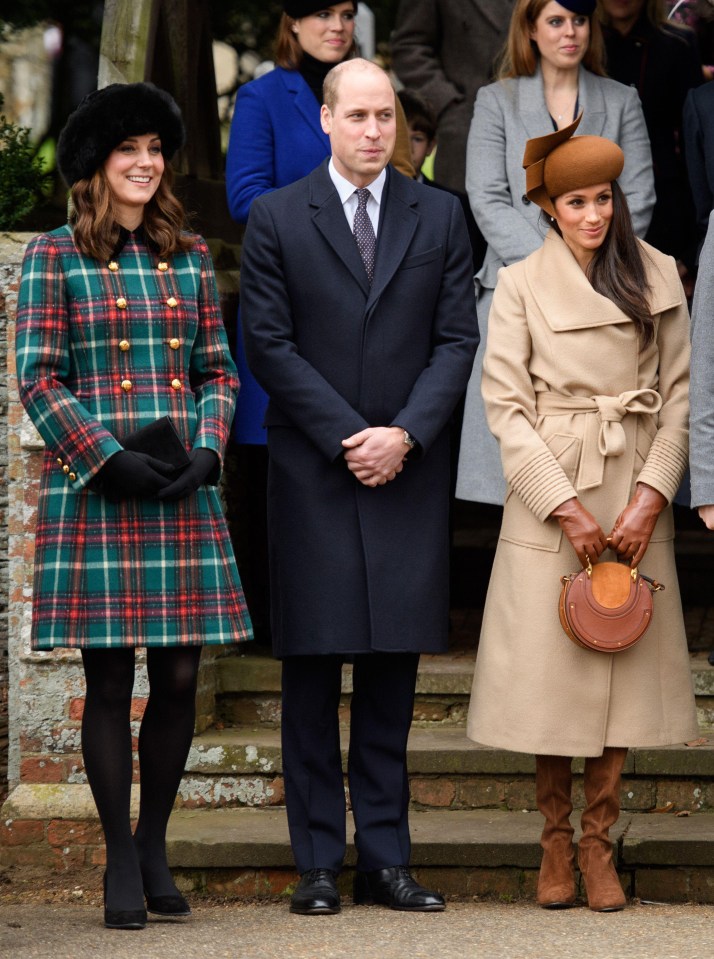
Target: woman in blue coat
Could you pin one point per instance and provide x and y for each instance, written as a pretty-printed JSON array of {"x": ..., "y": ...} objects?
[{"x": 276, "y": 138}]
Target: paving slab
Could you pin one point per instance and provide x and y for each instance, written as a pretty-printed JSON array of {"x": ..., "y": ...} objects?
[{"x": 466, "y": 930}]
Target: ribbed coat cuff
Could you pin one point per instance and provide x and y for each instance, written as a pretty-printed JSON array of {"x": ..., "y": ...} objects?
[
  {"x": 666, "y": 464},
  {"x": 542, "y": 484}
]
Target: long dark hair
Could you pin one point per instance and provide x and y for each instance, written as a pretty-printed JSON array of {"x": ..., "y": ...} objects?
[
  {"x": 96, "y": 231},
  {"x": 617, "y": 270}
]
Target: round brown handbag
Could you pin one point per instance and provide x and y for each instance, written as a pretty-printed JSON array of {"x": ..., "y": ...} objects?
[{"x": 606, "y": 607}]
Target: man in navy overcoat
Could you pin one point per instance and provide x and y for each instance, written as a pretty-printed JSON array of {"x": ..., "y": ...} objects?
[{"x": 363, "y": 365}]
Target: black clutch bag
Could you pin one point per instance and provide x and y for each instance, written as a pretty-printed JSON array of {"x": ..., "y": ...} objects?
[{"x": 158, "y": 439}]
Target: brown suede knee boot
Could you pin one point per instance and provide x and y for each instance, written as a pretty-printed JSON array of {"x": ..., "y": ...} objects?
[
  {"x": 556, "y": 879},
  {"x": 602, "y": 796}
]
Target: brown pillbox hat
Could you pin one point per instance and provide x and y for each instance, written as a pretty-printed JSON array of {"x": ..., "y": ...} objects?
[{"x": 559, "y": 162}]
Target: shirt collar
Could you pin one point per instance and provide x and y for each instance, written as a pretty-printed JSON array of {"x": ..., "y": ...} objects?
[{"x": 346, "y": 189}]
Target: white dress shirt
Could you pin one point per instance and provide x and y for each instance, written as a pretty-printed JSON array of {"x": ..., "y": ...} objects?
[{"x": 348, "y": 196}]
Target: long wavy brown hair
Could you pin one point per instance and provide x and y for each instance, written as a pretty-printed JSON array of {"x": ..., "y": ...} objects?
[
  {"x": 617, "y": 270},
  {"x": 96, "y": 230},
  {"x": 520, "y": 54}
]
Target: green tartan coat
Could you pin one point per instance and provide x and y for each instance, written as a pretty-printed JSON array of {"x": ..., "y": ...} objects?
[{"x": 100, "y": 353}]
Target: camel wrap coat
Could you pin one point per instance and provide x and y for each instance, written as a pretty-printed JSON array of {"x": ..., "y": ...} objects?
[{"x": 579, "y": 409}]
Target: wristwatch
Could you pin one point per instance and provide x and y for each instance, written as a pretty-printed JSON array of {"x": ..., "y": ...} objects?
[{"x": 409, "y": 440}]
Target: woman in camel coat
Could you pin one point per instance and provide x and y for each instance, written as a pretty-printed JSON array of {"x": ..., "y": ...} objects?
[{"x": 591, "y": 414}]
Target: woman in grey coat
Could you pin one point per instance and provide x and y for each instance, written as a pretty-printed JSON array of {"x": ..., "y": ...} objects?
[{"x": 551, "y": 71}]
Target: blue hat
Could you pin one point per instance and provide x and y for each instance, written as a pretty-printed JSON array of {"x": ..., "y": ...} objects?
[
  {"x": 579, "y": 6},
  {"x": 303, "y": 8}
]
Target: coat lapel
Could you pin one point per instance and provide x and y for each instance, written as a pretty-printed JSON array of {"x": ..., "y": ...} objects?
[
  {"x": 531, "y": 106},
  {"x": 304, "y": 100},
  {"x": 566, "y": 298},
  {"x": 330, "y": 220},
  {"x": 592, "y": 103},
  {"x": 534, "y": 112},
  {"x": 398, "y": 220}
]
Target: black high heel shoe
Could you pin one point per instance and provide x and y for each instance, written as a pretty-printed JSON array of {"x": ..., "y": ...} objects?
[
  {"x": 173, "y": 907},
  {"x": 122, "y": 918}
]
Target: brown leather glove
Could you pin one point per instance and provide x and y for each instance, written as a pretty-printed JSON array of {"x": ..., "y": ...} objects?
[
  {"x": 633, "y": 528},
  {"x": 582, "y": 529}
]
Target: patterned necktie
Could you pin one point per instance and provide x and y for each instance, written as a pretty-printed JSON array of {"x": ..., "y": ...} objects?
[{"x": 364, "y": 232}]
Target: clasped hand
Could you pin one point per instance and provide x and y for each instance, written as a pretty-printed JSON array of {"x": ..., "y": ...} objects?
[
  {"x": 376, "y": 455},
  {"x": 630, "y": 536},
  {"x": 634, "y": 526}
]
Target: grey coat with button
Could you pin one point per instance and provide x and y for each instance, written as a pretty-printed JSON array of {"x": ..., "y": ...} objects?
[{"x": 506, "y": 115}]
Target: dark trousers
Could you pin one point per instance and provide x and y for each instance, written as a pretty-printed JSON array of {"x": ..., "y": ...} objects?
[{"x": 380, "y": 718}]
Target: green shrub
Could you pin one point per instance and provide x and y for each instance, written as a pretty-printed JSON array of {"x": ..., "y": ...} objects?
[{"x": 22, "y": 175}]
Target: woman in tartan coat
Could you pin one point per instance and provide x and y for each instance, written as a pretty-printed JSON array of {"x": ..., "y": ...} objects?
[{"x": 119, "y": 326}]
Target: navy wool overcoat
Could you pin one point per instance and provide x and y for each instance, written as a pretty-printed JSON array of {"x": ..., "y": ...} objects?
[{"x": 353, "y": 568}]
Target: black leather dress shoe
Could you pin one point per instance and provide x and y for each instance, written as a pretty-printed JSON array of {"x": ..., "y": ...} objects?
[
  {"x": 316, "y": 894},
  {"x": 394, "y": 887}
]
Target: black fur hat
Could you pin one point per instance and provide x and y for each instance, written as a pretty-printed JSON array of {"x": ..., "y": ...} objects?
[
  {"x": 106, "y": 117},
  {"x": 303, "y": 8}
]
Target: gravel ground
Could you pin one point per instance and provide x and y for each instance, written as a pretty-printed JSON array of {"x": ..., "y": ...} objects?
[{"x": 53, "y": 920}]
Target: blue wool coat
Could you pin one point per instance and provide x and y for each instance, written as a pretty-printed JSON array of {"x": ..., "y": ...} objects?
[
  {"x": 101, "y": 353},
  {"x": 276, "y": 139},
  {"x": 355, "y": 569}
]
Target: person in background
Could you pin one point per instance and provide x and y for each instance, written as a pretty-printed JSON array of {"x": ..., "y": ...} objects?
[
  {"x": 552, "y": 70},
  {"x": 421, "y": 126},
  {"x": 118, "y": 324},
  {"x": 701, "y": 393},
  {"x": 698, "y": 123},
  {"x": 585, "y": 383},
  {"x": 660, "y": 59},
  {"x": 275, "y": 139},
  {"x": 445, "y": 51},
  {"x": 699, "y": 15}
]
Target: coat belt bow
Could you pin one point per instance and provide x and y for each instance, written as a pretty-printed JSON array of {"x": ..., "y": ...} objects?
[{"x": 604, "y": 433}]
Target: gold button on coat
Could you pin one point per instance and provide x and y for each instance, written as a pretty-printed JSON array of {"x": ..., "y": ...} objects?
[
  {"x": 172, "y": 302},
  {"x": 60, "y": 462},
  {"x": 121, "y": 303},
  {"x": 73, "y": 477},
  {"x": 126, "y": 385},
  {"x": 174, "y": 343},
  {"x": 113, "y": 266},
  {"x": 65, "y": 469},
  {"x": 124, "y": 345},
  {"x": 175, "y": 384},
  {"x": 163, "y": 266}
]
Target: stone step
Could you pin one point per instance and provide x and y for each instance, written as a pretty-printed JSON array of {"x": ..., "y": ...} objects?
[
  {"x": 249, "y": 686},
  {"x": 246, "y": 853},
  {"x": 243, "y": 767}
]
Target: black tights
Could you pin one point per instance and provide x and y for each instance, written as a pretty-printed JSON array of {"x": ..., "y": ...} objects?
[{"x": 137, "y": 863}]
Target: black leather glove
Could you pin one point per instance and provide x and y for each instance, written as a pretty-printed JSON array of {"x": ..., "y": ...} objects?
[
  {"x": 203, "y": 463},
  {"x": 633, "y": 528},
  {"x": 129, "y": 474},
  {"x": 582, "y": 529}
]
